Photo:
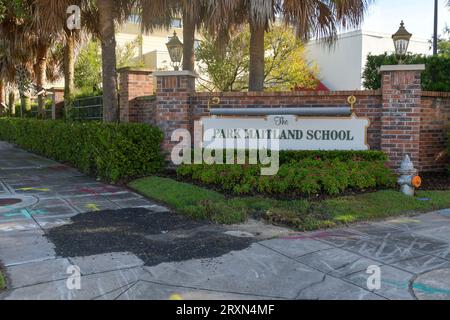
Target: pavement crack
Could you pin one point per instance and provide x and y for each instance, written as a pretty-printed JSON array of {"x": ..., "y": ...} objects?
[
  {"x": 310, "y": 286},
  {"x": 125, "y": 288},
  {"x": 213, "y": 290}
]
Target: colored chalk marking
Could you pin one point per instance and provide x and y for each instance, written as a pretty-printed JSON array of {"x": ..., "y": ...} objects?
[
  {"x": 418, "y": 286},
  {"x": 92, "y": 207},
  {"x": 89, "y": 191},
  {"x": 28, "y": 214},
  {"x": 38, "y": 212},
  {"x": 430, "y": 290},
  {"x": 405, "y": 221},
  {"x": 34, "y": 189},
  {"x": 175, "y": 297},
  {"x": 22, "y": 212}
]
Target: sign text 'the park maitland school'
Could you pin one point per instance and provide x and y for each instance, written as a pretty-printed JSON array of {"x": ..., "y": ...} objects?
[{"x": 292, "y": 133}]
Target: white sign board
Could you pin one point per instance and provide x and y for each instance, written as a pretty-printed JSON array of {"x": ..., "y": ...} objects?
[{"x": 291, "y": 132}]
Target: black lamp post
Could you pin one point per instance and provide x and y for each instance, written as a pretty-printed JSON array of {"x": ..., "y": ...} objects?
[
  {"x": 401, "y": 42},
  {"x": 435, "y": 33},
  {"x": 175, "y": 48}
]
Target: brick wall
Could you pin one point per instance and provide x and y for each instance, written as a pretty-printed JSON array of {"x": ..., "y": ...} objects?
[
  {"x": 404, "y": 120},
  {"x": 173, "y": 104},
  {"x": 133, "y": 83},
  {"x": 144, "y": 109},
  {"x": 400, "y": 129},
  {"x": 434, "y": 124}
]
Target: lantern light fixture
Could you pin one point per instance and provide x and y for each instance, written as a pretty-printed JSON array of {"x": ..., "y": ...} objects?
[
  {"x": 401, "y": 42},
  {"x": 175, "y": 48}
]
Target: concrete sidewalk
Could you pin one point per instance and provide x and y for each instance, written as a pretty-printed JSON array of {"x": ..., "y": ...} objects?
[{"x": 37, "y": 194}]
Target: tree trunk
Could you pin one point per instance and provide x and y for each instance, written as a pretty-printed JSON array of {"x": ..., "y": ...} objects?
[
  {"x": 222, "y": 41},
  {"x": 25, "y": 105},
  {"x": 256, "y": 77},
  {"x": 188, "y": 43},
  {"x": 41, "y": 67},
  {"x": 108, "y": 38},
  {"x": 2, "y": 95},
  {"x": 12, "y": 103},
  {"x": 69, "y": 70}
]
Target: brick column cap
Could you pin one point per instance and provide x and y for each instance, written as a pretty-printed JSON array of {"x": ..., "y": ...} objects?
[
  {"x": 135, "y": 70},
  {"x": 175, "y": 73},
  {"x": 56, "y": 89},
  {"x": 402, "y": 67}
]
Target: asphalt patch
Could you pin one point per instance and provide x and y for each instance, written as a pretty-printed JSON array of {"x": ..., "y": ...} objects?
[{"x": 153, "y": 237}]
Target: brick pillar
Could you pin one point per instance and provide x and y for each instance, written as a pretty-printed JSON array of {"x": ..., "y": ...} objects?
[
  {"x": 173, "y": 109},
  {"x": 57, "y": 95},
  {"x": 133, "y": 83},
  {"x": 400, "y": 122}
]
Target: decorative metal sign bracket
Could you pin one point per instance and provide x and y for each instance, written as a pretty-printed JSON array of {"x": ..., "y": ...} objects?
[
  {"x": 352, "y": 101},
  {"x": 213, "y": 101}
]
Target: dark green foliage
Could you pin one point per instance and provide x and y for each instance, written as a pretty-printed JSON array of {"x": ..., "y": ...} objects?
[
  {"x": 448, "y": 142},
  {"x": 295, "y": 156},
  {"x": 109, "y": 151},
  {"x": 436, "y": 77},
  {"x": 308, "y": 173}
]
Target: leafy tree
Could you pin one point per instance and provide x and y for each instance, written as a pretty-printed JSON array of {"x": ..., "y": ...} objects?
[
  {"x": 285, "y": 64},
  {"x": 444, "y": 43},
  {"x": 228, "y": 69},
  {"x": 126, "y": 54},
  {"x": 88, "y": 68},
  {"x": 312, "y": 18}
]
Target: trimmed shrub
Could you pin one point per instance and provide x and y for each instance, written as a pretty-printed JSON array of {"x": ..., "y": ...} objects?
[
  {"x": 331, "y": 174},
  {"x": 296, "y": 156},
  {"x": 110, "y": 151},
  {"x": 434, "y": 78}
]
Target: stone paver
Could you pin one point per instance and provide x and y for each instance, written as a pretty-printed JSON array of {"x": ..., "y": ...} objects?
[{"x": 413, "y": 253}]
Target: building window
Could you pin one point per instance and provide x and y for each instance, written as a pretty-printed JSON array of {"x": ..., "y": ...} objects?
[
  {"x": 177, "y": 23},
  {"x": 134, "y": 19},
  {"x": 197, "y": 43}
]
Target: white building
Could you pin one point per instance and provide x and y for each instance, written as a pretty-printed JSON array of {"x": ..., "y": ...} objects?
[
  {"x": 341, "y": 66},
  {"x": 152, "y": 51}
]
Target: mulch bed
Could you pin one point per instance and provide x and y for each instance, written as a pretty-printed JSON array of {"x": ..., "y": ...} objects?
[
  {"x": 154, "y": 237},
  {"x": 435, "y": 181}
]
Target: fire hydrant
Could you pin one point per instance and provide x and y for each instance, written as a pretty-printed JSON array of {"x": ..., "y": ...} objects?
[{"x": 408, "y": 180}]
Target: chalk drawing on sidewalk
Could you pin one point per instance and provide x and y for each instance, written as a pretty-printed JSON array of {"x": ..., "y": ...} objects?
[
  {"x": 93, "y": 207},
  {"x": 24, "y": 213},
  {"x": 405, "y": 220},
  {"x": 34, "y": 189}
]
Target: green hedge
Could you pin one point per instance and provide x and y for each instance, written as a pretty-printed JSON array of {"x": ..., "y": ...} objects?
[
  {"x": 109, "y": 151},
  {"x": 448, "y": 142},
  {"x": 434, "y": 78},
  {"x": 330, "y": 175}
]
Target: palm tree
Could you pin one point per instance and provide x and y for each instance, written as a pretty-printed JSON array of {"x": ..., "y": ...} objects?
[
  {"x": 194, "y": 14},
  {"x": 18, "y": 53},
  {"x": 106, "y": 29},
  {"x": 312, "y": 18},
  {"x": 51, "y": 16},
  {"x": 100, "y": 18},
  {"x": 28, "y": 42},
  {"x": 192, "y": 18},
  {"x": 7, "y": 71}
]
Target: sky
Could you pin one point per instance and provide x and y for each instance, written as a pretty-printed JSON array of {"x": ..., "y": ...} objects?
[{"x": 385, "y": 16}]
